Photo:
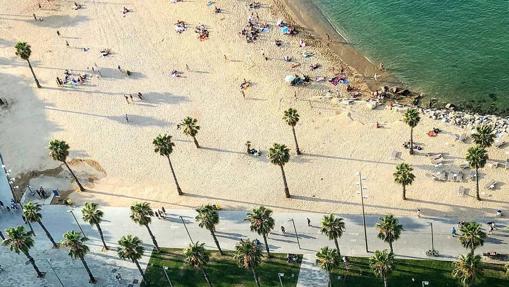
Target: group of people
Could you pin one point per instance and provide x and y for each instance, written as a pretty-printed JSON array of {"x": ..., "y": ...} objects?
[
  {"x": 202, "y": 31},
  {"x": 180, "y": 26},
  {"x": 253, "y": 28},
  {"x": 130, "y": 99},
  {"x": 13, "y": 206},
  {"x": 70, "y": 79}
]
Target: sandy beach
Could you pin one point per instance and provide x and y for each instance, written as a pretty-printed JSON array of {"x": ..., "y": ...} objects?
[{"x": 115, "y": 158}]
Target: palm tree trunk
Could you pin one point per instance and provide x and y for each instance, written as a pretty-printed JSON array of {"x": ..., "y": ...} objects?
[
  {"x": 196, "y": 142},
  {"x": 330, "y": 279},
  {"x": 287, "y": 191},
  {"x": 411, "y": 140},
  {"x": 175, "y": 177},
  {"x": 33, "y": 74},
  {"x": 296, "y": 143},
  {"x": 404, "y": 192},
  {"x": 390, "y": 245},
  {"x": 32, "y": 261},
  {"x": 48, "y": 234},
  {"x": 102, "y": 236},
  {"x": 255, "y": 277},
  {"x": 153, "y": 237},
  {"x": 266, "y": 245},
  {"x": 75, "y": 178},
  {"x": 92, "y": 279},
  {"x": 2, "y": 235},
  {"x": 477, "y": 183},
  {"x": 337, "y": 245},
  {"x": 217, "y": 242},
  {"x": 141, "y": 270},
  {"x": 385, "y": 281},
  {"x": 206, "y": 276}
]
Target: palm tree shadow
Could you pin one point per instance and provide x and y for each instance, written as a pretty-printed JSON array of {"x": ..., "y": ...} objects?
[
  {"x": 57, "y": 21},
  {"x": 221, "y": 150}
]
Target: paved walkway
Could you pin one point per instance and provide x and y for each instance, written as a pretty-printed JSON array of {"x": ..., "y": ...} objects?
[
  {"x": 311, "y": 275},
  {"x": 170, "y": 232},
  {"x": 5, "y": 191}
]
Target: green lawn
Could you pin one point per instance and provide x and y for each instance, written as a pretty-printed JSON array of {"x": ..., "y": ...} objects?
[
  {"x": 222, "y": 270},
  {"x": 438, "y": 273}
]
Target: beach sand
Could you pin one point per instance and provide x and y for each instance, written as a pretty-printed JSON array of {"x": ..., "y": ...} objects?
[{"x": 337, "y": 140}]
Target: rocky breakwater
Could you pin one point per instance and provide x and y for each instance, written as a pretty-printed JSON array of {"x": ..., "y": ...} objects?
[{"x": 468, "y": 121}]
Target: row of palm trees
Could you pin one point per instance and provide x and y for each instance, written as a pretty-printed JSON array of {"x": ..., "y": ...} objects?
[
  {"x": 466, "y": 269},
  {"x": 476, "y": 156},
  {"x": 261, "y": 221}
]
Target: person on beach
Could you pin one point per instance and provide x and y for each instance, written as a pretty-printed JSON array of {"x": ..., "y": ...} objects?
[
  {"x": 66, "y": 43},
  {"x": 309, "y": 221},
  {"x": 140, "y": 96},
  {"x": 453, "y": 231},
  {"x": 35, "y": 17},
  {"x": 58, "y": 33},
  {"x": 243, "y": 93},
  {"x": 187, "y": 68},
  {"x": 126, "y": 99},
  {"x": 126, "y": 118},
  {"x": 381, "y": 67},
  {"x": 131, "y": 97},
  {"x": 225, "y": 58},
  {"x": 59, "y": 82},
  {"x": 418, "y": 213},
  {"x": 283, "y": 229}
]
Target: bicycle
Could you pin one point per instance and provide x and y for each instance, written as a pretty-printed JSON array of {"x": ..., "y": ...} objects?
[{"x": 432, "y": 252}]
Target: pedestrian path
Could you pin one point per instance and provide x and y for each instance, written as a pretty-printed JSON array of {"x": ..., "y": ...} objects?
[
  {"x": 311, "y": 274},
  {"x": 5, "y": 191}
]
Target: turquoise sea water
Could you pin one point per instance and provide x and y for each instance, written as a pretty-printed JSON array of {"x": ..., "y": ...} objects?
[{"x": 455, "y": 50}]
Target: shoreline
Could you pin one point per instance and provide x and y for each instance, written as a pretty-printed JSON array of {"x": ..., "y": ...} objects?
[{"x": 308, "y": 16}]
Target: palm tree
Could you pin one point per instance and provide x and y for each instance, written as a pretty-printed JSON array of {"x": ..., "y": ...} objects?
[
  {"x": 333, "y": 227},
  {"x": 23, "y": 50},
  {"x": 207, "y": 218},
  {"x": 131, "y": 248},
  {"x": 467, "y": 268},
  {"x": 59, "y": 150},
  {"x": 164, "y": 146},
  {"x": 141, "y": 213},
  {"x": 484, "y": 136},
  {"x": 411, "y": 118},
  {"x": 404, "y": 176},
  {"x": 94, "y": 216},
  {"x": 190, "y": 128},
  {"x": 328, "y": 259},
  {"x": 249, "y": 255},
  {"x": 389, "y": 229},
  {"x": 472, "y": 236},
  {"x": 75, "y": 241},
  {"x": 291, "y": 117},
  {"x": 261, "y": 222},
  {"x": 196, "y": 257},
  {"x": 19, "y": 240},
  {"x": 382, "y": 264},
  {"x": 279, "y": 155},
  {"x": 32, "y": 213},
  {"x": 476, "y": 158}
]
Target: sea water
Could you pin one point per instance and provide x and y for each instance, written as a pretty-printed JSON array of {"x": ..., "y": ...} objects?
[{"x": 455, "y": 50}]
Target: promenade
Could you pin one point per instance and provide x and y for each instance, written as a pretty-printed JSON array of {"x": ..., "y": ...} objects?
[{"x": 170, "y": 232}]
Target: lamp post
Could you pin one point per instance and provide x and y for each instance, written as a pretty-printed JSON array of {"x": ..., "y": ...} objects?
[
  {"x": 76, "y": 220},
  {"x": 432, "y": 243},
  {"x": 280, "y": 275},
  {"x": 363, "y": 213},
  {"x": 51, "y": 266},
  {"x": 166, "y": 274},
  {"x": 295, "y": 230},
  {"x": 185, "y": 226}
]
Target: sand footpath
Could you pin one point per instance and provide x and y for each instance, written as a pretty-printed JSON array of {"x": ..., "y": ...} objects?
[{"x": 338, "y": 140}]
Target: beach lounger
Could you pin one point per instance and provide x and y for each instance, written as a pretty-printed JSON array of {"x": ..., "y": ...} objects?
[
  {"x": 499, "y": 144},
  {"x": 462, "y": 138},
  {"x": 395, "y": 155},
  {"x": 492, "y": 185},
  {"x": 464, "y": 165},
  {"x": 462, "y": 191}
]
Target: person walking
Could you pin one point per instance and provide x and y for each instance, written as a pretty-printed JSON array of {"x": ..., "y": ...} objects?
[
  {"x": 283, "y": 229},
  {"x": 453, "y": 231},
  {"x": 58, "y": 33},
  {"x": 126, "y": 98},
  {"x": 309, "y": 221}
]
